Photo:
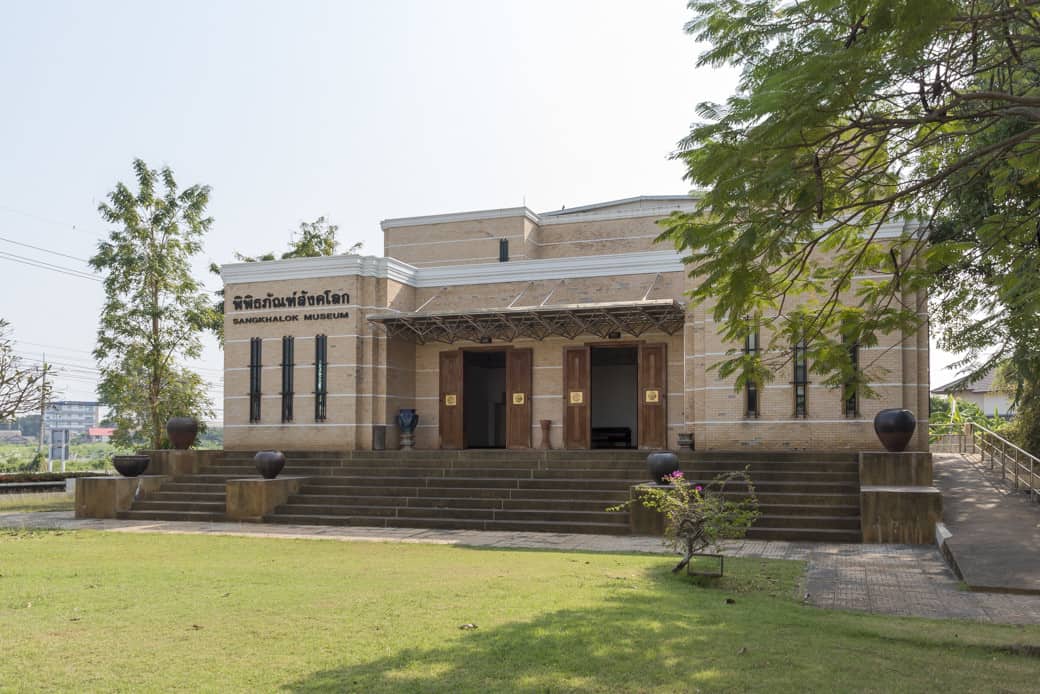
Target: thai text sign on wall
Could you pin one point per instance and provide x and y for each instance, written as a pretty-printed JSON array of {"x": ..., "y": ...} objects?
[{"x": 301, "y": 300}]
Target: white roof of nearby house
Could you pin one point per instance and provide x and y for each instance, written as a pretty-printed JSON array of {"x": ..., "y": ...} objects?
[{"x": 964, "y": 384}]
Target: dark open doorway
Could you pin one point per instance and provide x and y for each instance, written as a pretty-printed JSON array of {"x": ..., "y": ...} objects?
[
  {"x": 613, "y": 396},
  {"x": 484, "y": 399}
]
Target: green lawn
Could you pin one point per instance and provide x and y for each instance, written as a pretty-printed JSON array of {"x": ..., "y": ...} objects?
[
  {"x": 47, "y": 501},
  {"x": 84, "y": 611}
]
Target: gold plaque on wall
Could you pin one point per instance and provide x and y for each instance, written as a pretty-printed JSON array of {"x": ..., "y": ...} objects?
[
  {"x": 519, "y": 398},
  {"x": 653, "y": 396},
  {"x": 577, "y": 397},
  {"x": 451, "y": 400}
]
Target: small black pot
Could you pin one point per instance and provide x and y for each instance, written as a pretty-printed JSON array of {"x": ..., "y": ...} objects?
[
  {"x": 269, "y": 463},
  {"x": 130, "y": 465},
  {"x": 895, "y": 427},
  {"x": 182, "y": 432},
  {"x": 661, "y": 463}
]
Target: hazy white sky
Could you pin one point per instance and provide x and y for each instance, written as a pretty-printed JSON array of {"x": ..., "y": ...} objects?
[{"x": 359, "y": 111}]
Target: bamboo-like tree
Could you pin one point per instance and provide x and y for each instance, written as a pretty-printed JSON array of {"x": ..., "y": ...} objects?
[{"x": 154, "y": 308}]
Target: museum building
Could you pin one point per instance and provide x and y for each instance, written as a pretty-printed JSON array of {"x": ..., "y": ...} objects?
[{"x": 497, "y": 326}]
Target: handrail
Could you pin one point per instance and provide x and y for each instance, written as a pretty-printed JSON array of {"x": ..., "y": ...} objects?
[{"x": 985, "y": 442}]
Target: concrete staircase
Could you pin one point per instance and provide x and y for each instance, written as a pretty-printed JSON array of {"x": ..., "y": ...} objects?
[{"x": 802, "y": 497}]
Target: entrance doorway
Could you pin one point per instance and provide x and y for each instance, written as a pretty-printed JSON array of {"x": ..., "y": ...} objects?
[
  {"x": 484, "y": 393},
  {"x": 614, "y": 396}
]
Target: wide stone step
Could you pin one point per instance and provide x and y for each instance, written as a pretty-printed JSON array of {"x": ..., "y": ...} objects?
[
  {"x": 808, "y": 522},
  {"x": 198, "y": 516},
  {"x": 851, "y": 468},
  {"x": 810, "y": 510},
  {"x": 763, "y": 476},
  {"x": 207, "y": 506},
  {"x": 164, "y": 495},
  {"x": 193, "y": 487},
  {"x": 849, "y": 498},
  {"x": 455, "y": 524}
]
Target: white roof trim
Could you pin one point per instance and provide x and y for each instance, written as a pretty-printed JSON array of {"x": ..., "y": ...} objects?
[
  {"x": 647, "y": 262},
  {"x": 450, "y": 218},
  {"x": 621, "y": 201}
]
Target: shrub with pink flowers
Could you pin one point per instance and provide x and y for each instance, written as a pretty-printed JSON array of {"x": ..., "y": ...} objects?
[{"x": 700, "y": 516}]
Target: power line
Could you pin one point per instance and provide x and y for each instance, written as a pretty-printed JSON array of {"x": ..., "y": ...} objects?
[
  {"x": 45, "y": 250},
  {"x": 47, "y": 266}
]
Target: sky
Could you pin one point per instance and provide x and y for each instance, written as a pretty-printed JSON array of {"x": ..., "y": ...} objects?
[{"x": 359, "y": 111}]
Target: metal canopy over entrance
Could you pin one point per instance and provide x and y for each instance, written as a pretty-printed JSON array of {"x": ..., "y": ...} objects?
[{"x": 563, "y": 320}]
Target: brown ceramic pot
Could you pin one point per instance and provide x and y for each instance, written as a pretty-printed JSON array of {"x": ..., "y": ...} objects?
[{"x": 895, "y": 427}]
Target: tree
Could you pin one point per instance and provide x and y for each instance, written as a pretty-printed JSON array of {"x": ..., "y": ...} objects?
[
  {"x": 851, "y": 119},
  {"x": 317, "y": 238},
  {"x": 23, "y": 388},
  {"x": 154, "y": 309}
]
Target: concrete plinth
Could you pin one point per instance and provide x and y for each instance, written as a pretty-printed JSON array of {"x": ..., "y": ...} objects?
[
  {"x": 177, "y": 463},
  {"x": 104, "y": 497},
  {"x": 251, "y": 498},
  {"x": 892, "y": 514},
  {"x": 643, "y": 520},
  {"x": 906, "y": 468}
]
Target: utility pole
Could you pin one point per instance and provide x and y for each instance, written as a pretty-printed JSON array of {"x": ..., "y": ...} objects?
[{"x": 43, "y": 408}]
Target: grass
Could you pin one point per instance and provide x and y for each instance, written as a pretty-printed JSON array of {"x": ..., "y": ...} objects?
[
  {"x": 90, "y": 611},
  {"x": 45, "y": 501}
]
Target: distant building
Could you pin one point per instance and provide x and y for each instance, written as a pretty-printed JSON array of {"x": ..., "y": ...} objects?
[
  {"x": 75, "y": 416},
  {"x": 100, "y": 434},
  {"x": 981, "y": 393}
]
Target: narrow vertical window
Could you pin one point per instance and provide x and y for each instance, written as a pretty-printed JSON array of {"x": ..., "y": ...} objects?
[
  {"x": 255, "y": 354},
  {"x": 503, "y": 250},
  {"x": 851, "y": 397},
  {"x": 801, "y": 378},
  {"x": 751, "y": 389},
  {"x": 321, "y": 367},
  {"x": 287, "y": 378}
]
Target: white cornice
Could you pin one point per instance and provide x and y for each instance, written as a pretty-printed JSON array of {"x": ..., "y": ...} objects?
[{"x": 647, "y": 262}]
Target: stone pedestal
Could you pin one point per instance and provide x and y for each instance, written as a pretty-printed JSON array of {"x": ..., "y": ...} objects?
[
  {"x": 897, "y": 502},
  {"x": 177, "y": 463},
  {"x": 104, "y": 497},
  {"x": 907, "y": 468},
  {"x": 643, "y": 520},
  {"x": 904, "y": 515},
  {"x": 251, "y": 498}
]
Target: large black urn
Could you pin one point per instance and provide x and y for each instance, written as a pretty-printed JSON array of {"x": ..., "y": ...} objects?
[
  {"x": 130, "y": 465},
  {"x": 182, "y": 432},
  {"x": 269, "y": 463},
  {"x": 661, "y": 463},
  {"x": 895, "y": 427}
]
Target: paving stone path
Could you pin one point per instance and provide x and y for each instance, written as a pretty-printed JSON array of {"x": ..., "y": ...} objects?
[{"x": 885, "y": 579}]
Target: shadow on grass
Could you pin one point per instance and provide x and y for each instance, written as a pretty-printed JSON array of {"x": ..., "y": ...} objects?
[{"x": 654, "y": 630}]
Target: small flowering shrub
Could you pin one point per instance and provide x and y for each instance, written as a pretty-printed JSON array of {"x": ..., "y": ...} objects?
[{"x": 699, "y": 516}]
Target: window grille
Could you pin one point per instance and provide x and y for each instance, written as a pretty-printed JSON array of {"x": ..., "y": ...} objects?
[
  {"x": 801, "y": 378},
  {"x": 287, "y": 378},
  {"x": 255, "y": 355},
  {"x": 321, "y": 386},
  {"x": 752, "y": 408}
]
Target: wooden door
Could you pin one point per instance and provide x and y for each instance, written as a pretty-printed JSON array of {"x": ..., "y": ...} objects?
[
  {"x": 653, "y": 396},
  {"x": 518, "y": 398},
  {"x": 450, "y": 410},
  {"x": 576, "y": 433}
]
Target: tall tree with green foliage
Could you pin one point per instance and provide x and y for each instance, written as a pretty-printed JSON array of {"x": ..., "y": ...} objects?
[
  {"x": 154, "y": 309},
  {"x": 317, "y": 238},
  {"x": 893, "y": 141}
]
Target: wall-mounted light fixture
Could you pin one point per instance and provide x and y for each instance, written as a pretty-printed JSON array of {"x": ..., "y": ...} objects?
[
  {"x": 485, "y": 340},
  {"x": 614, "y": 335}
]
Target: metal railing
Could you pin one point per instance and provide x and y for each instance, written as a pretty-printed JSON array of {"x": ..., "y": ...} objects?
[{"x": 1021, "y": 467}]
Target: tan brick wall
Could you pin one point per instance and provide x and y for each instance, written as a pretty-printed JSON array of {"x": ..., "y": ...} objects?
[{"x": 456, "y": 243}]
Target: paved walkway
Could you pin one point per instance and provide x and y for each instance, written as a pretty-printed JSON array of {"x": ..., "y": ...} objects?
[
  {"x": 885, "y": 579},
  {"x": 995, "y": 542}
]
